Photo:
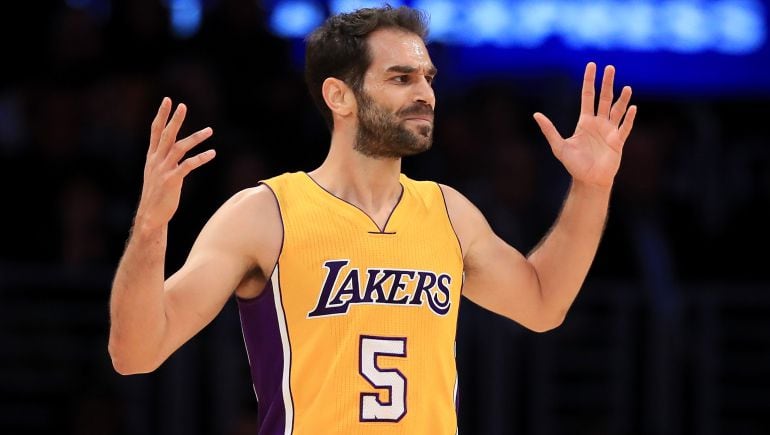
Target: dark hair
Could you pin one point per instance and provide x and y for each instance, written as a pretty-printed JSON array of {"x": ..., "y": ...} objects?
[{"x": 338, "y": 48}]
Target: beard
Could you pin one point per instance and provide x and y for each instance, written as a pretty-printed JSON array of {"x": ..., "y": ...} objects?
[{"x": 382, "y": 134}]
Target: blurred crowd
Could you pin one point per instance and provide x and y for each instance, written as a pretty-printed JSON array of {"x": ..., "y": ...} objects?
[{"x": 79, "y": 91}]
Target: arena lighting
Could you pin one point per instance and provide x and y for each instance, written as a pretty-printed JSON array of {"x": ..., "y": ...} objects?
[
  {"x": 337, "y": 6},
  {"x": 677, "y": 26},
  {"x": 296, "y": 18},
  {"x": 185, "y": 17}
]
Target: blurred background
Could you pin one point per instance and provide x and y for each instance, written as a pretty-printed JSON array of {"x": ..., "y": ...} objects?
[{"x": 670, "y": 334}]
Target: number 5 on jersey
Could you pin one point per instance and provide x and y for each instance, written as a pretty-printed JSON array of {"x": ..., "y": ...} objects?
[{"x": 394, "y": 408}]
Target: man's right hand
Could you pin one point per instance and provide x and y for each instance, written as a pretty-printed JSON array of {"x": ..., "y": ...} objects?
[{"x": 163, "y": 171}]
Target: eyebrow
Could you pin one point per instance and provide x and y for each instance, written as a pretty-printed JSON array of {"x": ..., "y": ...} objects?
[{"x": 406, "y": 69}]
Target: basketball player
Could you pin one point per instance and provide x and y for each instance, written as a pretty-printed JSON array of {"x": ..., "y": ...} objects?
[{"x": 348, "y": 277}]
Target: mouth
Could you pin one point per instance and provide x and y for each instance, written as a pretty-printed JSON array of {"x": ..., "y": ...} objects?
[{"x": 428, "y": 119}]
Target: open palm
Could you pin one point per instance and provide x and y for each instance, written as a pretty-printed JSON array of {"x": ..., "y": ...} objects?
[{"x": 592, "y": 154}]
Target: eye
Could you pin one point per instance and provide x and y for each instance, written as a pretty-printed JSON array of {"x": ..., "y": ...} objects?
[
  {"x": 401, "y": 79},
  {"x": 429, "y": 79}
]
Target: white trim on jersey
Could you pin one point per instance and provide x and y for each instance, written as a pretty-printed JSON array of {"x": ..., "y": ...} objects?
[{"x": 288, "y": 404}]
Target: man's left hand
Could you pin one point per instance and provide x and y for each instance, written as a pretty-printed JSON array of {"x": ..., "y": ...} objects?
[{"x": 592, "y": 154}]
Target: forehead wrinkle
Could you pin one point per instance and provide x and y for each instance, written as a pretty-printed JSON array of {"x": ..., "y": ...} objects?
[
  {"x": 408, "y": 69},
  {"x": 393, "y": 46}
]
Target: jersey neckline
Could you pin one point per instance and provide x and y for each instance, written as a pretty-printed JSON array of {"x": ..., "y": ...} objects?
[{"x": 384, "y": 228}]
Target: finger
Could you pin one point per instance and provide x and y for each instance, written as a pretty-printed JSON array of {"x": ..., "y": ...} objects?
[
  {"x": 168, "y": 136},
  {"x": 588, "y": 95},
  {"x": 628, "y": 123},
  {"x": 196, "y": 161},
  {"x": 157, "y": 124},
  {"x": 619, "y": 108},
  {"x": 549, "y": 131},
  {"x": 183, "y": 146},
  {"x": 605, "y": 96}
]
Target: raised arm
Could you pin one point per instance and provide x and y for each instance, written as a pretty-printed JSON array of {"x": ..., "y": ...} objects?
[
  {"x": 151, "y": 316},
  {"x": 538, "y": 290}
]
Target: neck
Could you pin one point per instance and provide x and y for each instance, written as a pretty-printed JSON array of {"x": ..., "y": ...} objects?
[{"x": 371, "y": 184}]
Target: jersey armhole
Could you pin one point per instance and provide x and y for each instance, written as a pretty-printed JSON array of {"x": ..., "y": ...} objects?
[
  {"x": 451, "y": 224},
  {"x": 268, "y": 276}
]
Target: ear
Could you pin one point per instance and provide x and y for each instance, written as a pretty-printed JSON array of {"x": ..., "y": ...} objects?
[{"x": 338, "y": 96}]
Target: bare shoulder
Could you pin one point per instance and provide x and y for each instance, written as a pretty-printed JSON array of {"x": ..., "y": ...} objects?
[
  {"x": 454, "y": 199},
  {"x": 253, "y": 206},
  {"x": 249, "y": 223},
  {"x": 460, "y": 208},
  {"x": 257, "y": 198},
  {"x": 466, "y": 218}
]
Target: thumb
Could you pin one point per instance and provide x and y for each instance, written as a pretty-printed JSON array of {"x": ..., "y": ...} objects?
[{"x": 549, "y": 131}]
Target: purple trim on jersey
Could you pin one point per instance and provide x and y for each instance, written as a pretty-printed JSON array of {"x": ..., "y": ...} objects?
[{"x": 259, "y": 322}]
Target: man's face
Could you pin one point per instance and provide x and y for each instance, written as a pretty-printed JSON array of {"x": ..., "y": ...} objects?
[{"x": 395, "y": 106}]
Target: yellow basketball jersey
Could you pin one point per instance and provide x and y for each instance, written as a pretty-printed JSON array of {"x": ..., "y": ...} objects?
[{"x": 355, "y": 332}]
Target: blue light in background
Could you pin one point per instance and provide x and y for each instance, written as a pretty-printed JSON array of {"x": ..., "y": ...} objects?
[
  {"x": 741, "y": 27},
  {"x": 677, "y": 26},
  {"x": 534, "y": 21},
  {"x": 675, "y": 47},
  {"x": 592, "y": 24},
  {"x": 295, "y": 19},
  {"x": 185, "y": 17},
  {"x": 340, "y": 6},
  {"x": 443, "y": 14},
  {"x": 487, "y": 21},
  {"x": 687, "y": 27},
  {"x": 639, "y": 25}
]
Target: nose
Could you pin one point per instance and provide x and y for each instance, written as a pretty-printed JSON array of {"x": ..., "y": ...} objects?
[{"x": 424, "y": 93}]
